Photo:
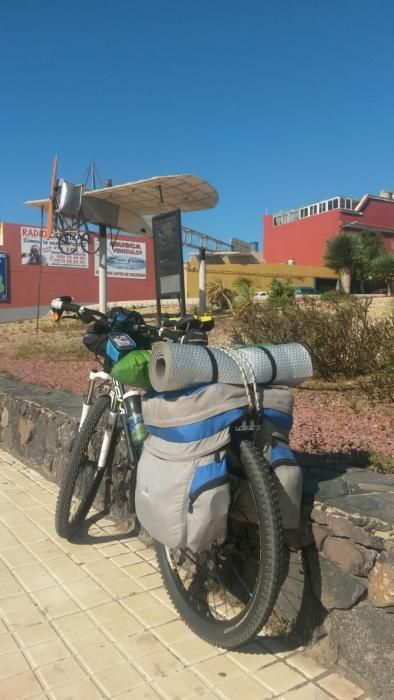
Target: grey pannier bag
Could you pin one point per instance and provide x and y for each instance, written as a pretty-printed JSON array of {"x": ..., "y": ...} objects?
[
  {"x": 273, "y": 440},
  {"x": 182, "y": 491}
]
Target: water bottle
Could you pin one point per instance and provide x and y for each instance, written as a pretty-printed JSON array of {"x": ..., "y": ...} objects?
[{"x": 135, "y": 421}]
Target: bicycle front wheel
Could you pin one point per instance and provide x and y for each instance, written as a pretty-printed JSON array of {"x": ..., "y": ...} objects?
[
  {"x": 82, "y": 478},
  {"x": 227, "y": 593}
]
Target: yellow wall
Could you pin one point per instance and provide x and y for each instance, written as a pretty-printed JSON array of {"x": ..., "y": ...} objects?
[{"x": 260, "y": 274}]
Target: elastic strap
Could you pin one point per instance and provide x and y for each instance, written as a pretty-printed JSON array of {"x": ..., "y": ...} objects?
[
  {"x": 215, "y": 368},
  {"x": 272, "y": 361}
]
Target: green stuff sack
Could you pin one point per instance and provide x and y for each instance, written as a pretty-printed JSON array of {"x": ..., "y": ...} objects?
[{"x": 133, "y": 369}]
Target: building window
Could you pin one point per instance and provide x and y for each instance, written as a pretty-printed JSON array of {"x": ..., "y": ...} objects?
[
  {"x": 342, "y": 202},
  {"x": 329, "y": 203},
  {"x": 322, "y": 207},
  {"x": 335, "y": 203},
  {"x": 348, "y": 203}
]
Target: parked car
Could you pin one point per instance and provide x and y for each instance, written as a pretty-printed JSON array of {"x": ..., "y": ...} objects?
[
  {"x": 260, "y": 296},
  {"x": 303, "y": 291}
]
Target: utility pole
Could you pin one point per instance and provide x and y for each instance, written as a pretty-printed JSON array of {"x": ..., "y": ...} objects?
[
  {"x": 202, "y": 281},
  {"x": 102, "y": 272}
]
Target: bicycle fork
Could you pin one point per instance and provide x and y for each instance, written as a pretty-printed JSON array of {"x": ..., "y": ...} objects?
[
  {"x": 113, "y": 413},
  {"x": 94, "y": 376}
]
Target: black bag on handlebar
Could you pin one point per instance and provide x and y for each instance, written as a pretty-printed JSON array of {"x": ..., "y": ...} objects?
[
  {"x": 131, "y": 322},
  {"x": 95, "y": 338},
  {"x": 124, "y": 319}
]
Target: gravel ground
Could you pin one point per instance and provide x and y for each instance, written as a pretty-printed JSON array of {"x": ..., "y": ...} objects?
[{"x": 325, "y": 420}]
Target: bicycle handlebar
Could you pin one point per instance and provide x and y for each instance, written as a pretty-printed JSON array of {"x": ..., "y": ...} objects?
[
  {"x": 64, "y": 304},
  {"x": 87, "y": 315},
  {"x": 170, "y": 331}
]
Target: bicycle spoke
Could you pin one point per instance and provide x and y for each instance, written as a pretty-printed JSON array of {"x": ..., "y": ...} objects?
[{"x": 220, "y": 582}]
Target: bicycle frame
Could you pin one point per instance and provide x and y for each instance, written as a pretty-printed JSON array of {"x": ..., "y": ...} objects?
[{"x": 117, "y": 408}]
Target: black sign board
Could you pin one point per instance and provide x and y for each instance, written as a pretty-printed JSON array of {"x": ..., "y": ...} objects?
[
  {"x": 3, "y": 277},
  {"x": 167, "y": 240}
]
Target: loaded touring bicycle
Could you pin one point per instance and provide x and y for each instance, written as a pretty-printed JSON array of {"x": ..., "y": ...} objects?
[{"x": 211, "y": 475}]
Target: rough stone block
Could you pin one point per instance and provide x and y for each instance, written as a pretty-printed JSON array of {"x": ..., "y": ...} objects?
[
  {"x": 381, "y": 582},
  {"x": 4, "y": 417},
  {"x": 349, "y": 556},
  {"x": 342, "y": 527},
  {"x": 319, "y": 534},
  {"x": 365, "y": 480},
  {"x": 324, "y": 487},
  {"x": 331, "y": 585},
  {"x": 25, "y": 430},
  {"x": 377, "y": 506},
  {"x": 363, "y": 639}
]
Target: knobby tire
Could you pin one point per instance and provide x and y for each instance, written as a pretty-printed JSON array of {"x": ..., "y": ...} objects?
[
  {"x": 231, "y": 634},
  {"x": 67, "y": 526}
]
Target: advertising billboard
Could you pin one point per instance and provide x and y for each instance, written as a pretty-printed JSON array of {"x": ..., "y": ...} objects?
[
  {"x": 3, "y": 277},
  {"x": 125, "y": 259},
  {"x": 35, "y": 250}
]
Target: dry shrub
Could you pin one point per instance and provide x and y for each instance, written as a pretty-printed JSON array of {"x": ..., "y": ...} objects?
[{"x": 340, "y": 336}]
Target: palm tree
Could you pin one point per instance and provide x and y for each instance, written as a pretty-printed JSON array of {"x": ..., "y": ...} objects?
[
  {"x": 244, "y": 290},
  {"x": 339, "y": 257},
  {"x": 367, "y": 247},
  {"x": 383, "y": 269},
  {"x": 219, "y": 295}
]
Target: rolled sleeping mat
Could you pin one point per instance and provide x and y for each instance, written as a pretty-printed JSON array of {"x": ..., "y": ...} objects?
[{"x": 174, "y": 366}]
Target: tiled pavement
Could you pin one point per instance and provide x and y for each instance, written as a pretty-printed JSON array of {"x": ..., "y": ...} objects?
[{"x": 92, "y": 620}]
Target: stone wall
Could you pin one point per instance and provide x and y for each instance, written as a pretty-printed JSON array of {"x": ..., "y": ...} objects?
[
  {"x": 381, "y": 307},
  {"x": 39, "y": 425},
  {"x": 339, "y": 580}
]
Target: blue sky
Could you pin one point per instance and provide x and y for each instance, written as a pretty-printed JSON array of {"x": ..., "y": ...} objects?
[{"x": 275, "y": 102}]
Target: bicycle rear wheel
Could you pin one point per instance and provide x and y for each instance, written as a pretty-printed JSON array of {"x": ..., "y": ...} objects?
[
  {"x": 67, "y": 243},
  {"x": 82, "y": 478},
  {"x": 227, "y": 593},
  {"x": 84, "y": 240}
]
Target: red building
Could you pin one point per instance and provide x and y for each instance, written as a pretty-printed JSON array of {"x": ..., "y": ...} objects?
[
  {"x": 130, "y": 271},
  {"x": 301, "y": 234}
]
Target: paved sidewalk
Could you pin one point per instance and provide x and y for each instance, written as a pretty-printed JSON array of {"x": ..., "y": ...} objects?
[{"x": 92, "y": 620}]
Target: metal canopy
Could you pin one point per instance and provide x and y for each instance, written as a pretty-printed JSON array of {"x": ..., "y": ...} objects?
[{"x": 143, "y": 198}]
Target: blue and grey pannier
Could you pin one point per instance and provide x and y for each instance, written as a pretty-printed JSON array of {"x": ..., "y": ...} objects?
[{"x": 182, "y": 491}]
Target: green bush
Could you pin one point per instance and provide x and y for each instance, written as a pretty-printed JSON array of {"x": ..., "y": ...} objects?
[
  {"x": 341, "y": 337},
  {"x": 333, "y": 295},
  {"x": 243, "y": 291},
  {"x": 280, "y": 291}
]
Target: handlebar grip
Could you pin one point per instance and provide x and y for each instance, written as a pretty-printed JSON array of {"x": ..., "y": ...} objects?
[
  {"x": 86, "y": 315},
  {"x": 61, "y": 305}
]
